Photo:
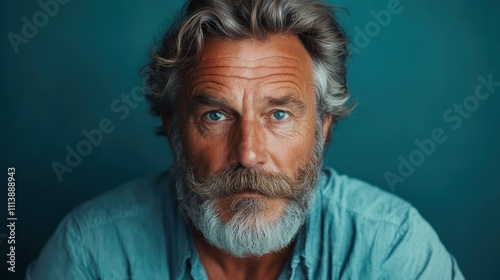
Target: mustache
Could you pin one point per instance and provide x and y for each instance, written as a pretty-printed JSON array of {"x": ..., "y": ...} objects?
[{"x": 232, "y": 180}]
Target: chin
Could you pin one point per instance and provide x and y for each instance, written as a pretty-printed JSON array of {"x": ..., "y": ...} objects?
[
  {"x": 251, "y": 209},
  {"x": 250, "y": 226}
]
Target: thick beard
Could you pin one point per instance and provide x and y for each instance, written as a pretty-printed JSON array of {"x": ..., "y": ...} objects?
[{"x": 247, "y": 232}]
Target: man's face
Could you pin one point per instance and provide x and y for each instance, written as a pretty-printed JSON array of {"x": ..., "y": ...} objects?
[{"x": 250, "y": 105}]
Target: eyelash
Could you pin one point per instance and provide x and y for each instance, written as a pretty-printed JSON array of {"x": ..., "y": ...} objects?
[
  {"x": 206, "y": 115},
  {"x": 288, "y": 115}
]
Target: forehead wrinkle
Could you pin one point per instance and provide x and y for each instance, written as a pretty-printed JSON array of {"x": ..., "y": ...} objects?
[
  {"x": 195, "y": 84},
  {"x": 246, "y": 78},
  {"x": 284, "y": 84},
  {"x": 248, "y": 68},
  {"x": 238, "y": 58}
]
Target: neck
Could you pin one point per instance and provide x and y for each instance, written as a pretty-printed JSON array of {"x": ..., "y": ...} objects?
[{"x": 221, "y": 265}]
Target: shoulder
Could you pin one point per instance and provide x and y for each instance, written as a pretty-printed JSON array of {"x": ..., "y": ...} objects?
[
  {"x": 359, "y": 199},
  {"x": 124, "y": 203},
  {"x": 377, "y": 233},
  {"x": 105, "y": 237}
]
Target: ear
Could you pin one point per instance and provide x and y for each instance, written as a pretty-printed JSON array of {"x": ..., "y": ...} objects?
[
  {"x": 167, "y": 128},
  {"x": 326, "y": 126}
]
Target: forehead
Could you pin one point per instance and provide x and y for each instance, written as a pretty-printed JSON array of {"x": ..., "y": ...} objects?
[
  {"x": 254, "y": 58},
  {"x": 248, "y": 50}
]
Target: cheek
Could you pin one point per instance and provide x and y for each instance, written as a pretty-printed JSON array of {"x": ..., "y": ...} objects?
[
  {"x": 293, "y": 151},
  {"x": 205, "y": 154}
]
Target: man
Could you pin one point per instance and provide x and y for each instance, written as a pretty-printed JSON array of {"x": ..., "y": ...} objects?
[{"x": 248, "y": 92}]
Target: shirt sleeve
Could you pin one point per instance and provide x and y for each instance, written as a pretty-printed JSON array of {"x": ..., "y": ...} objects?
[
  {"x": 63, "y": 257},
  {"x": 417, "y": 253}
]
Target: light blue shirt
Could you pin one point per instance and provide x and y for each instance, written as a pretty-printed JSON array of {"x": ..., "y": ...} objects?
[{"x": 354, "y": 231}]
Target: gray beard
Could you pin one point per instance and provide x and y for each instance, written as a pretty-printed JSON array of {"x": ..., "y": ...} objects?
[{"x": 247, "y": 233}]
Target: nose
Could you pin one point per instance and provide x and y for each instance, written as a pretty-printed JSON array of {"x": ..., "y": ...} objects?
[{"x": 249, "y": 144}]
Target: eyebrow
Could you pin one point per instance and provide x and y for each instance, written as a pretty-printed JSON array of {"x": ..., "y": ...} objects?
[
  {"x": 209, "y": 100},
  {"x": 285, "y": 100}
]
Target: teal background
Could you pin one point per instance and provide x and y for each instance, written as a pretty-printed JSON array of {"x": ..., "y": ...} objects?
[{"x": 425, "y": 60}]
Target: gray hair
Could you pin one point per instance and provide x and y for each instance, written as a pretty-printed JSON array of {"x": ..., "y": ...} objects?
[{"x": 313, "y": 22}]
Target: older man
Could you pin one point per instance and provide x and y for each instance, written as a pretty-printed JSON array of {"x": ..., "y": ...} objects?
[{"x": 248, "y": 92}]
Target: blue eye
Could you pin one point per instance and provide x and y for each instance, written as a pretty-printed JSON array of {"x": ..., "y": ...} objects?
[
  {"x": 215, "y": 116},
  {"x": 280, "y": 115}
]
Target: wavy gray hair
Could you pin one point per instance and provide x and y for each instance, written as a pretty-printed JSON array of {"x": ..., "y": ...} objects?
[{"x": 313, "y": 22}]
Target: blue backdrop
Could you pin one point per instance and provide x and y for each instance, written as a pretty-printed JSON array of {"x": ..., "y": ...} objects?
[{"x": 425, "y": 74}]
